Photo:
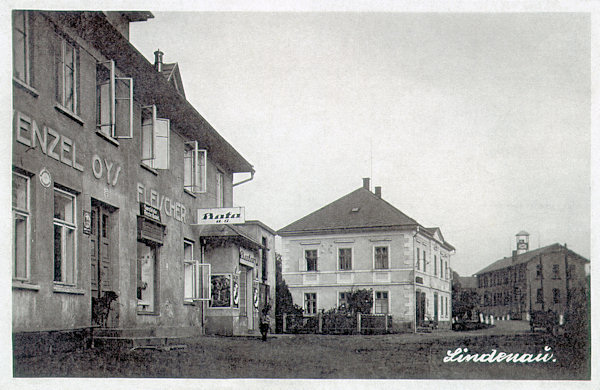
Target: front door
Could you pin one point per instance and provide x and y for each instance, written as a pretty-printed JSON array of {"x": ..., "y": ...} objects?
[
  {"x": 100, "y": 260},
  {"x": 420, "y": 308}
]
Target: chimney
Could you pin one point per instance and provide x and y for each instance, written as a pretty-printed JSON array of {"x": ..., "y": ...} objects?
[
  {"x": 367, "y": 183},
  {"x": 378, "y": 192},
  {"x": 158, "y": 60}
]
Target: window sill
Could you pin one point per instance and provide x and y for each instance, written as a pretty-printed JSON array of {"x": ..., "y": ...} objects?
[
  {"x": 151, "y": 170},
  {"x": 108, "y": 138},
  {"x": 68, "y": 113},
  {"x": 26, "y": 87},
  {"x": 18, "y": 284},
  {"x": 190, "y": 193},
  {"x": 147, "y": 313},
  {"x": 59, "y": 288}
]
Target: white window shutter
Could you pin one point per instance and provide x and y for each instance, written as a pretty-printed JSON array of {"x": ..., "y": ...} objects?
[
  {"x": 162, "y": 130},
  {"x": 188, "y": 165},
  {"x": 123, "y": 127},
  {"x": 205, "y": 282}
]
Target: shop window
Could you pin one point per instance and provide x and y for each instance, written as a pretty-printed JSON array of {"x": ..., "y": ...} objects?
[
  {"x": 555, "y": 271},
  {"x": 381, "y": 254},
  {"x": 194, "y": 168},
  {"x": 381, "y": 302},
  {"x": 220, "y": 189},
  {"x": 220, "y": 291},
  {"x": 155, "y": 139},
  {"x": 147, "y": 286},
  {"x": 345, "y": 258},
  {"x": 65, "y": 233},
  {"x": 114, "y": 102},
  {"x": 310, "y": 303},
  {"x": 67, "y": 77},
  {"x": 556, "y": 295},
  {"x": 196, "y": 275},
  {"x": 311, "y": 259},
  {"x": 21, "y": 46},
  {"x": 21, "y": 229}
]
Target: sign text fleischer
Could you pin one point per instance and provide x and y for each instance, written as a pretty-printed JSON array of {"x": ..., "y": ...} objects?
[{"x": 221, "y": 215}]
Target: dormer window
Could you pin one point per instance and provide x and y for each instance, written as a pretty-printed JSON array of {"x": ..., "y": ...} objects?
[
  {"x": 114, "y": 95},
  {"x": 155, "y": 139}
]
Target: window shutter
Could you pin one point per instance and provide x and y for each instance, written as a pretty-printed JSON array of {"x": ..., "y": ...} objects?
[
  {"x": 188, "y": 165},
  {"x": 205, "y": 282},
  {"x": 161, "y": 143},
  {"x": 123, "y": 127},
  {"x": 201, "y": 179}
]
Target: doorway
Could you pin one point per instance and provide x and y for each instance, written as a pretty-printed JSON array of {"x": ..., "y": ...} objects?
[
  {"x": 420, "y": 308},
  {"x": 102, "y": 283}
]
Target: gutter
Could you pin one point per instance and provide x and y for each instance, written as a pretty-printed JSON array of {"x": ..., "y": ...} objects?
[{"x": 245, "y": 180}]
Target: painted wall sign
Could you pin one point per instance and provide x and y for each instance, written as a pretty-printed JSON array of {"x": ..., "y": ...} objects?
[
  {"x": 112, "y": 171},
  {"x": 220, "y": 215},
  {"x": 87, "y": 222},
  {"x": 161, "y": 202},
  {"x": 149, "y": 212},
  {"x": 51, "y": 142},
  {"x": 247, "y": 257}
]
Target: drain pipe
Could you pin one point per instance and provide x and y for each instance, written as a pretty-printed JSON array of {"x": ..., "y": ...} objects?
[
  {"x": 414, "y": 282},
  {"x": 245, "y": 180}
]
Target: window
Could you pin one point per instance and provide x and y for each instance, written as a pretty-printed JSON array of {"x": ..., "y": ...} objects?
[
  {"x": 381, "y": 302},
  {"x": 446, "y": 269},
  {"x": 21, "y": 46},
  {"x": 65, "y": 231},
  {"x": 435, "y": 265},
  {"x": 310, "y": 303},
  {"x": 418, "y": 259},
  {"x": 343, "y": 300},
  {"x": 570, "y": 271},
  {"x": 155, "y": 139},
  {"x": 424, "y": 261},
  {"x": 21, "y": 218},
  {"x": 381, "y": 257},
  {"x": 540, "y": 296},
  {"x": 311, "y": 259},
  {"x": 556, "y": 295},
  {"x": 538, "y": 273},
  {"x": 67, "y": 86},
  {"x": 194, "y": 168},
  {"x": 191, "y": 288},
  {"x": 555, "y": 271},
  {"x": 220, "y": 190},
  {"x": 265, "y": 260},
  {"x": 147, "y": 270},
  {"x": 345, "y": 258},
  {"x": 114, "y": 102},
  {"x": 220, "y": 291}
]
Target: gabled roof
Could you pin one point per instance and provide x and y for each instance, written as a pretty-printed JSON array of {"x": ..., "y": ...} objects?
[
  {"x": 359, "y": 209},
  {"x": 435, "y": 232},
  {"x": 171, "y": 72},
  {"x": 528, "y": 256}
]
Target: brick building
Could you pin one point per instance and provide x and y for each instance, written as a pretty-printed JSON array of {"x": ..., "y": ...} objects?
[{"x": 541, "y": 279}]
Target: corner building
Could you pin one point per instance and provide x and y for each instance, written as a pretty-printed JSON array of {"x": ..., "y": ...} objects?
[
  {"x": 111, "y": 166},
  {"x": 360, "y": 241}
]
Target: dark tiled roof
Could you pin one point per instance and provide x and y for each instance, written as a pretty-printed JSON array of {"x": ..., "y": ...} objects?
[
  {"x": 526, "y": 257},
  {"x": 467, "y": 281},
  {"x": 359, "y": 209}
]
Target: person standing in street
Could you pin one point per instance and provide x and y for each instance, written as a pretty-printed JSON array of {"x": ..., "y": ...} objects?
[{"x": 265, "y": 321}]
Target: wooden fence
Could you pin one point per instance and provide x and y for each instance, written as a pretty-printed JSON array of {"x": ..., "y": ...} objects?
[{"x": 338, "y": 323}]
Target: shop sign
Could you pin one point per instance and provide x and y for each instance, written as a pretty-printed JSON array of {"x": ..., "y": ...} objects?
[
  {"x": 161, "y": 202},
  {"x": 149, "y": 212},
  {"x": 220, "y": 215},
  {"x": 149, "y": 230},
  {"x": 87, "y": 222},
  {"x": 52, "y": 143},
  {"x": 247, "y": 257}
]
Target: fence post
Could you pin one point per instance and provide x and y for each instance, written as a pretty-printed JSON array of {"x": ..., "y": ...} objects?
[
  {"x": 358, "y": 322},
  {"x": 320, "y": 322},
  {"x": 283, "y": 329},
  {"x": 386, "y": 323}
]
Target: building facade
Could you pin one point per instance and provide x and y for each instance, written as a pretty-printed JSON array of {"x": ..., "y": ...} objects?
[
  {"x": 111, "y": 168},
  {"x": 360, "y": 241},
  {"x": 538, "y": 280}
]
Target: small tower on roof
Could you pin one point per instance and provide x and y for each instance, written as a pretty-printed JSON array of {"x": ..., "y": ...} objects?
[{"x": 522, "y": 242}]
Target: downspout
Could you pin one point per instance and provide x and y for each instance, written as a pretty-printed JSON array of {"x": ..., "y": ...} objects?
[
  {"x": 245, "y": 180},
  {"x": 414, "y": 283}
]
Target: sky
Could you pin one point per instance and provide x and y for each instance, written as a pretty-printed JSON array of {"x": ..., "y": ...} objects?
[{"x": 476, "y": 123}]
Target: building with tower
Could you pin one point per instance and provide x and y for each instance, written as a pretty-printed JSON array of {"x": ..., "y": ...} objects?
[{"x": 531, "y": 280}]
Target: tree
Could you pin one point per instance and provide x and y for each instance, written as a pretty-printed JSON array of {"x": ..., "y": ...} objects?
[
  {"x": 360, "y": 301},
  {"x": 283, "y": 298}
]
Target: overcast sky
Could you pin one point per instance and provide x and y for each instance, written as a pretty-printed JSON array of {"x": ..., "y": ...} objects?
[{"x": 476, "y": 123}]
